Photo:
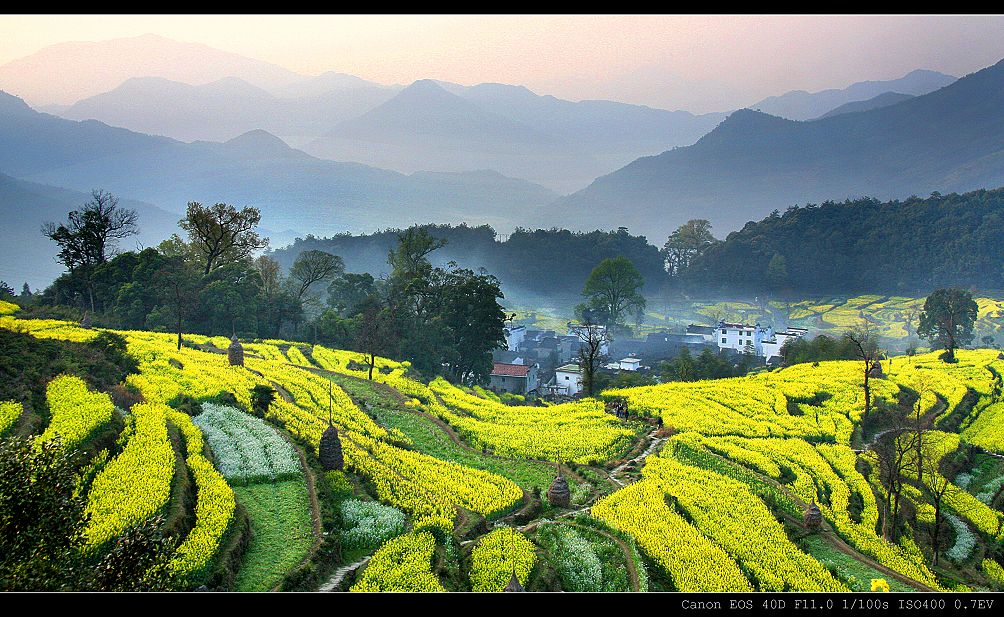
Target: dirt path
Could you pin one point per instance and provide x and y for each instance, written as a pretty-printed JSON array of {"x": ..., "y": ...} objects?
[
  {"x": 339, "y": 575},
  {"x": 655, "y": 443}
]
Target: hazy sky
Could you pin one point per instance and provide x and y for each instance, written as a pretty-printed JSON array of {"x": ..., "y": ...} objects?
[{"x": 700, "y": 63}]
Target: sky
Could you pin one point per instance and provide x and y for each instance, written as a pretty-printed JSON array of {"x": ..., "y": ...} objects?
[{"x": 694, "y": 62}]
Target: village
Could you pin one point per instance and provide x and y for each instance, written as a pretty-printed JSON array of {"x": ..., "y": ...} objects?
[{"x": 545, "y": 364}]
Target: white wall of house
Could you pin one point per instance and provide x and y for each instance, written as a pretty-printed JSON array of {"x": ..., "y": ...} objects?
[
  {"x": 766, "y": 343},
  {"x": 568, "y": 381},
  {"x": 515, "y": 336},
  {"x": 738, "y": 336},
  {"x": 630, "y": 364}
]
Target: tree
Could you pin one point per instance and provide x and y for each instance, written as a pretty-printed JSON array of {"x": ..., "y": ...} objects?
[
  {"x": 42, "y": 522},
  {"x": 894, "y": 453},
  {"x": 89, "y": 235},
  {"x": 593, "y": 338},
  {"x": 221, "y": 232},
  {"x": 6, "y": 291},
  {"x": 864, "y": 344},
  {"x": 312, "y": 267},
  {"x": 613, "y": 288},
  {"x": 777, "y": 272},
  {"x": 411, "y": 270},
  {"x": 179, "y": 290},
  {"x": 947, "y": 320},
  {"x": 474, "y": 321},
  {"x": 688, "y": 242},
  {"x": 347, "y": 292},
  {"x": 139, "y": 560},
  {"x": 375, "y": 334},
  {"x": 938, "y": 489}
]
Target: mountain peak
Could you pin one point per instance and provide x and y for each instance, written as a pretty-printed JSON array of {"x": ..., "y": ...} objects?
[
  {"x": 425, "y": 86},
  {"x": 260, "y": 141}
]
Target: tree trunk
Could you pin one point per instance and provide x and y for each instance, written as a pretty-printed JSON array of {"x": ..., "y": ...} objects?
[
  {"x": 936, "y": 535},
  {"x": 372, "y": 362},
  {"x": 868, "y": 396}
]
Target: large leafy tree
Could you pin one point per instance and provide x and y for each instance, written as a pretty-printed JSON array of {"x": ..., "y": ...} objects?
[
  {"x": 348, "y": 291},
  {"x": 613, "y": 289},
  {"x": 948, "y": 319},
  {"x": 474, "y": 319},
  {"x": 688, "y": 242},
  {"x": 221, "y": 232}
]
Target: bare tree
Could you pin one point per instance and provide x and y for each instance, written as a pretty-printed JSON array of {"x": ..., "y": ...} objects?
[
  {"x": 594, "y": 338},
  {"x": 938, "y": 489},
  {"x": 311, "y": 267},
  {"x": 865, "y": 345},
  {"x": 894, "y": 453},
  {"x": 375, "y": 333},
  {"x": 222, "y": 231}
]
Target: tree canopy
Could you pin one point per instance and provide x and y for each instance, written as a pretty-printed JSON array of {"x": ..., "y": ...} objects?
[
  {"x": 948, "y": 319},
  {"x": 613, "y": 289},
  {"x": 221, "y": 231}
]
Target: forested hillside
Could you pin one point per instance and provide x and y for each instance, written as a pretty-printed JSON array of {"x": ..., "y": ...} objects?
[{"x": 863, "y": 245}]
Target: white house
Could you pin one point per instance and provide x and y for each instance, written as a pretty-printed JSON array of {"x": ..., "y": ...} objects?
[
  {"x": 568, "y": 379},
  {"x": 771, "y": 347},
  {"x": 514, "y": 336},
  {"x": 737, "y": 336},
  {"x": 761, "y": 341},
  {"x": 629, "y": 364}
]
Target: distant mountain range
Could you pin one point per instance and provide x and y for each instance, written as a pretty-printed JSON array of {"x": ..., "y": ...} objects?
[
  {"x": 550, "y": 141},
  {"x": 951, "y": 139},
  {"x": 228, "y": 107},
  {"x": 427, "y": 126},
  {"x": 802, "y": 105},
  {"x": 192, "y": 92},
  {"x": 293, "y": 189},
  {"x": 76, "y": 70}
]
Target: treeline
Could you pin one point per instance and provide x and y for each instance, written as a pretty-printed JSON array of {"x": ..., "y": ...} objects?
[
  {"x": 861, "y": 246},
  {"x": 540, "y": 261},
  {"x": 444, "y": 320}
]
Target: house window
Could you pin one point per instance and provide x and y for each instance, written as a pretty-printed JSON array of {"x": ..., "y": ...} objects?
[
  {"x": 566, "y": 377},
  {"x": 724, "y": 341},
  {"x": 723, "y": 331}
]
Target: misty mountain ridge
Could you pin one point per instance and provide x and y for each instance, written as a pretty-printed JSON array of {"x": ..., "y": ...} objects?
[
  {"x": 293, "y": 189},
  {"x": 222, "y": 109},
  {"x": 802, "y": 105},
  {"x": 77, "y": 70},
  {"x": 883, "y": 100},
  {"x": 950, "y": 140},
  {"x": 549, "y": 141}
]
